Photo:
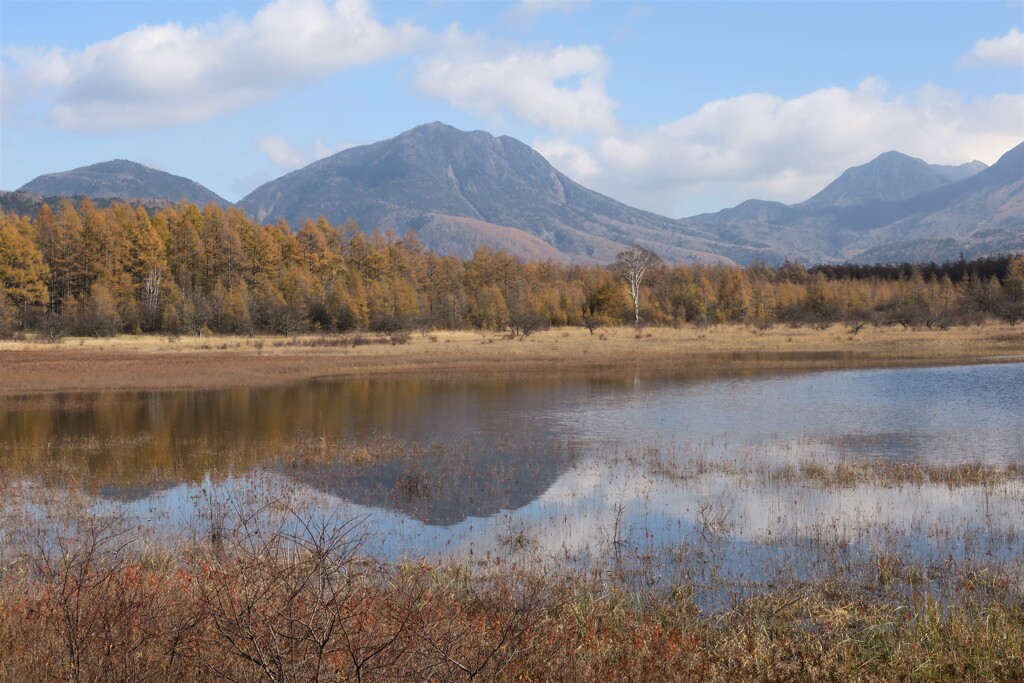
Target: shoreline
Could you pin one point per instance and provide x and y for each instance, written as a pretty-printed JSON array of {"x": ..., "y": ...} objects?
[{"x": 221, "y": 362}]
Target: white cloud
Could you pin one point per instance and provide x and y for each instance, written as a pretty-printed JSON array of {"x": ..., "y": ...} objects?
[
  {"x": 170, "y": 74},
  {"x": 1006, "y": 50},
  {"x": 289, "y": 156},
  {"x": 751, "y": 145},
  {"x": 281, "y": 152},
  {"x": 763, "y": 146},
  {"x": 560, "y": 88},
  {"x": 525, "y": 12},
  {"x": 574, "y": 161},
  {"x": 6, "y": 96}
]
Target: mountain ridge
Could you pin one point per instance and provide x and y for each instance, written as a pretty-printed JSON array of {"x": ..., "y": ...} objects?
[
  {"x": 122, "y": 179},
  {"x": 893, "y": 201},
  {"x": 450, "y": 175},
  {"x": 891, "y": 176},
  {"x": 460, "y": 190}
]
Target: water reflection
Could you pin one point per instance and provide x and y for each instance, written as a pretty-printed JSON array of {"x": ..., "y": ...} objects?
[
  {"x": 443, "y": 486},
  {"x": 123, "y": 438},
  {"x": 516, "y": 430},
  {"x": 686, "y": 478}
]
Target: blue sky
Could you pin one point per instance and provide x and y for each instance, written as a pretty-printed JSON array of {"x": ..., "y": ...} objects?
[{"x": 675, "y": 107}]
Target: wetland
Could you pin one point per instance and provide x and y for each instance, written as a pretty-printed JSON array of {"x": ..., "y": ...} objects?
[{"x": 738, "y": 491}]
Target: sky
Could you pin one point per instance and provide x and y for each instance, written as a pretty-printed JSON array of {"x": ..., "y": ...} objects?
[{"x": 675, "y": 107}]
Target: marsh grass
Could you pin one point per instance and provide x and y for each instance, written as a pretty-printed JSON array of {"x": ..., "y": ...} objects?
[
  {"x": 826, "y": 472},
  {"x": 268, "y": 582},
  {"x": 274, "y": 592},
  {"x": 886, "y": 473},
  {"x": 307, "y": 450}
]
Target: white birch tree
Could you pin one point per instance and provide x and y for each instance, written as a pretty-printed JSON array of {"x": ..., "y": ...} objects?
[{"x": 633, "y": 264}]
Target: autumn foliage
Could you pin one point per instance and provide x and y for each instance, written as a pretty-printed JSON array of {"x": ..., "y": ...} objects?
[{"x": 188, "y": 270}]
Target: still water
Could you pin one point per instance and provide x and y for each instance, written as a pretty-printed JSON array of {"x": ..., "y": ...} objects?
[{"x": 568, "y": 469}]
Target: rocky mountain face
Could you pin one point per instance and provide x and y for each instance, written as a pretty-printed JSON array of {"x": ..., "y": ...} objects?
[
  {"x": 460, "y": 190},
  {"x": 121, "y": 179}
]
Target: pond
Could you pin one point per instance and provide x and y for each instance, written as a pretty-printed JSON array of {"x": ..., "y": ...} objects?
[{"x": 735, "y": 479}]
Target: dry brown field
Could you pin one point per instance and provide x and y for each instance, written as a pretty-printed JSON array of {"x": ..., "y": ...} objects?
[{"x": 159, "y": 362}]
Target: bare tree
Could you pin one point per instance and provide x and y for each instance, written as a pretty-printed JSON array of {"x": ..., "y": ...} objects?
[{"x": 633, "y": 264}]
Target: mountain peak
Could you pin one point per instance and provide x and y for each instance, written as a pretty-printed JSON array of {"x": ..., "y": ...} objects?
[
  {"x": 463, "y": 189},
  {"x": 442, "y": 131},
  {"x": 434, "y": 126},
  {"x": 121, "y": 179},
  {"x": 889, "y": 177},
  {"x": 122, "y": 162},
  {"x": 892, "y": 156}
]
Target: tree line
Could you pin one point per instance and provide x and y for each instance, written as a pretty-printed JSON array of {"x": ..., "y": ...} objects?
[{"x": 187, "y": 269}]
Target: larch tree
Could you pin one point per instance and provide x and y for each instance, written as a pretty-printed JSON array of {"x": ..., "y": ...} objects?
[
  {"x": 23, "y": 273},
  {"x": 101, "y": 250},
  {"x": 54, "y": 244},
  {"x": 146, "y": 264},
  {"x": 72, "y": 281}
]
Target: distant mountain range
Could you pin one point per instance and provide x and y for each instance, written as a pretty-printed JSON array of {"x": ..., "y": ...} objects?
[
  {"x": 461, "y": 190},
  {"x": 893, "y": 208}
]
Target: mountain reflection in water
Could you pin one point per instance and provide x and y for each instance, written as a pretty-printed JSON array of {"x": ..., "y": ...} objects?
[{"x": 499, "y": 444}]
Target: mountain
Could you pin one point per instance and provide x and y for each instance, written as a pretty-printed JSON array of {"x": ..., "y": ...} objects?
[
  {"x": 980, "y": 215},
  {"x": 123, "y": 180},
  {"x": 893, "y": 208},
  {"x": 955, "y": 173},
  {"x": 463, "y": 190},
  {"x": 460, "y": 190},
  {"x": 887, "y": 178}
]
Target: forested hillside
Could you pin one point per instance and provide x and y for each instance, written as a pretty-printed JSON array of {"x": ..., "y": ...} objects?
[{"x": 192, "y": 270}]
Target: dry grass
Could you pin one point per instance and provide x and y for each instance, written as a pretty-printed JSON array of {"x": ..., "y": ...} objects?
[
  {"x": 828, "y": 474},
  {"x": 884, "y": 473},
  {"x": 153, "y": 362},
  {"x": 268, "y": 605}
]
